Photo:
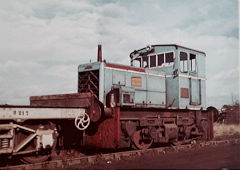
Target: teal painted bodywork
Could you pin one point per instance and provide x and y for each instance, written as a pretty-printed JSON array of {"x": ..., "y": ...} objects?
[
  {"x": 164, "y": 86},
  {"x": 147, "y": 95}
]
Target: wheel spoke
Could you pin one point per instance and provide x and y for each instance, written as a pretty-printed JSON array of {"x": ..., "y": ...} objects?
[
  {"x": 139, "y": 142},
  {"x": 80, "y": 122},
  {"x": 86, "y": 120}
]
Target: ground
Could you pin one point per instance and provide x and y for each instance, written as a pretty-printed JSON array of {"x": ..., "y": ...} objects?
[
  {"x": 208, "y": 157},
  {"x": 212, "y": 157}
]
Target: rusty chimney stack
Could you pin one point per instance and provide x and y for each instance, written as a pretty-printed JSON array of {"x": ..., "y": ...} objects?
[{"x": 99, "y": 56}]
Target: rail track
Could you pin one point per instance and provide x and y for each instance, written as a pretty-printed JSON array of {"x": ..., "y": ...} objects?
[{"x": 85, "y": 161}]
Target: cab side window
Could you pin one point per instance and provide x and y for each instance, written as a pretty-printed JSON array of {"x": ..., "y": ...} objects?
[
  {"x": 160, "y": 59},
  {"x": 169, "y": 58},
  {"x": 193, "y": 63},
  {"x": 183, "y": 62},
  {"x": 145, "y": 61},
  {"x": 153, "y": 61},
  {"x": 137, "y": 62}
]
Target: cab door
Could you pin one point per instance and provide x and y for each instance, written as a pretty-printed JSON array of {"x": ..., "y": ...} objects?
[{"x": 195, "y": 91}]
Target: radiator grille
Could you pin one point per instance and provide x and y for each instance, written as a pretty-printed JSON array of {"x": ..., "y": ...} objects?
[{"x": 89, "y": 82}]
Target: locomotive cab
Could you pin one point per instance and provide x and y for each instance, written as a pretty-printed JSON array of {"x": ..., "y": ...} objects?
[{"x": 184, "y": 69}]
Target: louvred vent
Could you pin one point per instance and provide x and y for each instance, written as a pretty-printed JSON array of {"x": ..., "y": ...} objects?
[{"x": 89, "y": 82}]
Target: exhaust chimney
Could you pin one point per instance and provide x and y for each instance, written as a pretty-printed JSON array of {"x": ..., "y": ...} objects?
[{"x": 99, "y": 56}]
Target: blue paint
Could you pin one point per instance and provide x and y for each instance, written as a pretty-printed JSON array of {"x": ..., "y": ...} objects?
[{"x": 158, "y": 86}]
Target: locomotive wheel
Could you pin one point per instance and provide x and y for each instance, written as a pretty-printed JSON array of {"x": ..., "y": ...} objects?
[
  {"x": 35, "y": 158},
  {"x": 41, "y": 156},
  {"x": 139, "y": 142},
  {"x": 215, "y": 112}
]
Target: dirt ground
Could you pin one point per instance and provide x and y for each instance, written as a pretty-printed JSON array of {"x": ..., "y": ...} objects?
[
  {"x": 210, "y": 157},
  {"x": 214, "y": 157}
]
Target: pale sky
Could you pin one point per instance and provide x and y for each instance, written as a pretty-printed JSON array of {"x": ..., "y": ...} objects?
[{"x": 43, "y": 42}]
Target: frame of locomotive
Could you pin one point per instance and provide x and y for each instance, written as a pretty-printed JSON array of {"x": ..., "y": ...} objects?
[{"x": 163, "y": 100}]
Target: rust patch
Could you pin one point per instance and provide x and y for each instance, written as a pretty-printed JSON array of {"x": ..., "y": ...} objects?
[
  {"x": 139, "y": 142},
  {"x": 88, "y": 67},
  {"x": 136, "y": 82},
  {"x": 211, "y": 131},
  {"x": 108, "y": 133},
  {"x": 124, "y": 67},
  {"x": 63, "y": 100},
  {"x": 184, "y": 93}
]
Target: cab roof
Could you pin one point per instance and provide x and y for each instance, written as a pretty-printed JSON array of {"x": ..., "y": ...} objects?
[{"x": 175, "y": 45}]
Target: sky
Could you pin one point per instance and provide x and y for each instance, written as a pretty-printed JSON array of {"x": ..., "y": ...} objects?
[{"x": 43, "y": 41}]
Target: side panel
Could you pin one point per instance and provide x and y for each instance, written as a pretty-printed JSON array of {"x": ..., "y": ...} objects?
[
  {"x": 118, "y": 77},
  {"x": 107, "y": 134},
  {"x": 149, "y": 89},
  {"x": 195, "y": 96},
  {"x": 140, "y": 92},
  {"x": 184, "y": 100},
  {"x": 196, "y": 93},
  {"x": 172, "y": 92},
  {"x": 156, "y": 90},
  {"x": 140, "y": 97}
]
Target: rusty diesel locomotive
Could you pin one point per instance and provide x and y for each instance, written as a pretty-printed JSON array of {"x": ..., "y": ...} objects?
[{"x": 159, "y": 99}]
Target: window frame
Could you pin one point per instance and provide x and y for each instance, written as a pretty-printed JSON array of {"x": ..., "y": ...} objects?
[
  {"x": 163, "y": 64},
  {"x": 156, "y": 55},
  {"x": 139, "y": 61},
  {"x": 164, "y": 58},
  {"x": 193, "y": 71},
  {"x": 148, "y": 59},
  {"x": 182, "y": 71}
]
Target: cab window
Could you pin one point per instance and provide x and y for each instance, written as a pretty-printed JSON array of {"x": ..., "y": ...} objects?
[
  {"x": 193, "y": 63},
  {"x": 153, "y": 61},
  {"x": 145, "y": 61},
  {"x": 160, "y": 59},
  {"x": 183, "y": 62},
  {"x": 169, "y": 58},
  {"x": 137, "y": 62}
]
